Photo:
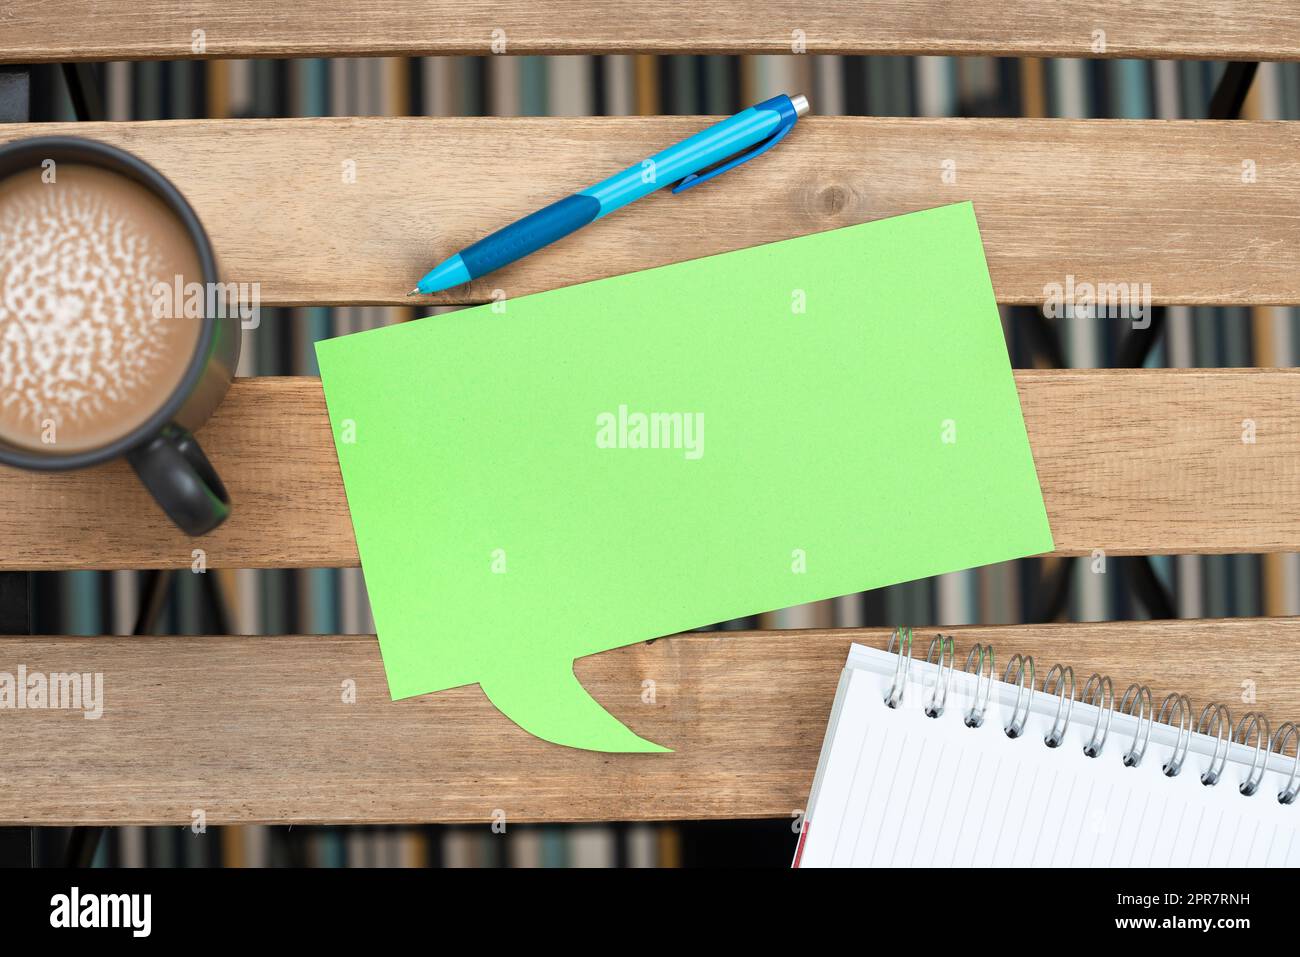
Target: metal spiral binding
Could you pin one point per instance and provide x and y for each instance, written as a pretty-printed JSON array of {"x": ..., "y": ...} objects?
[
  {"x": 1141, "y": 700},
  {"x": 1024, "y": 666},
  {"x": 978, "y": 655},
  {"x": 1253, "y": 721},
  {"x": 1056, "y": 683},
  {"x": 939, "y": 693},
  {"x": 902, "y": 638},
  {"x": 1182, "y": 709},
  {"x": 1175, "y": 711},
  {"x": 1284, "y": 733},
  {"x": 1099, "y": 692},
  {"x": 1220, "y": 721}
]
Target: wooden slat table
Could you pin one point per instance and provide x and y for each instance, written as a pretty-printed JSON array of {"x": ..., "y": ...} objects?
[
  {"x": 1105, "y": 201},
  {"x": 41, "y": 30},
  {"x": 252, "y": 729}
]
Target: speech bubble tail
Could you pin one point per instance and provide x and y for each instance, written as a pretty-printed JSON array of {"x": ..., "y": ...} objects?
[{"x": 553, "y": 705}]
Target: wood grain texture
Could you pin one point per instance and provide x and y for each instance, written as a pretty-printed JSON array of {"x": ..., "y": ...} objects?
[
  {"x": 1130, "y": 461},
  {"x": 1105, "y": 201},
  {"x": 32, "y": 30},
  {"x": 256, "y": 729}
]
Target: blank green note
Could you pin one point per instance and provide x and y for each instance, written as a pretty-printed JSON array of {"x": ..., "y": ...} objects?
[{"x": 625, "y": 459}]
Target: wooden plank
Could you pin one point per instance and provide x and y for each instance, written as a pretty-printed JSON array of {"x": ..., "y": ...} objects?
[
  {"x": 1103, "y": 201},
  {"x": 257, "y": 729},
  {"x": 35, "y": 30},
  {"x": 1130, "y": 461}
]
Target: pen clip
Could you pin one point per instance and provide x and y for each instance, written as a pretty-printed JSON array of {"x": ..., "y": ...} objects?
[{"x": 695, "y": 179}]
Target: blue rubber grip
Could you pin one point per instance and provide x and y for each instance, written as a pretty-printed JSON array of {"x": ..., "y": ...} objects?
[{"x": 530, "y": 234}]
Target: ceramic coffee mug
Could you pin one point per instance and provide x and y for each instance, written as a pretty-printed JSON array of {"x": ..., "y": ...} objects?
[{"x": 96, "y": 360}]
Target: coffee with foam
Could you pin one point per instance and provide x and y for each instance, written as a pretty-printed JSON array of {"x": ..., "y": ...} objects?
[{"x": 86, "y": 353}]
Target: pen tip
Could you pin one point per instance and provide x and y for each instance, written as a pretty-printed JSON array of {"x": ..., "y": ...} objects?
[{"x": 414, "y": 292}]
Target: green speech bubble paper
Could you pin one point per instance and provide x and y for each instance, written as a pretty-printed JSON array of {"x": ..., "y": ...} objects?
[{"x": 598, "y": 465}]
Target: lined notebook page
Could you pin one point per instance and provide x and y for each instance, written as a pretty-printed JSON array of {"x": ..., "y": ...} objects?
[{"x": 895, "y": 788}]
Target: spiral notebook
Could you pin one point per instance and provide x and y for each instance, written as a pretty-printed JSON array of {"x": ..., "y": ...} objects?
[{"x": 927, "y": 763}]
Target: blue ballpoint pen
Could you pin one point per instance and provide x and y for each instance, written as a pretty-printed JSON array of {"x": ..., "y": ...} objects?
[{"x": 694, "y": 160}]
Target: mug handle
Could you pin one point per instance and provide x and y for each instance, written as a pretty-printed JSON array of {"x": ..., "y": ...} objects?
[{"x": 182, "y": 480}]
